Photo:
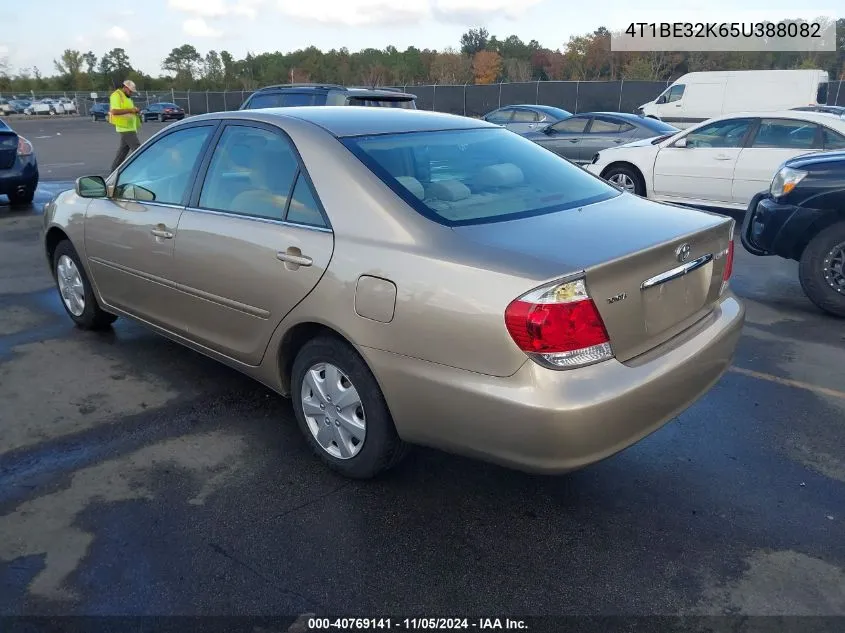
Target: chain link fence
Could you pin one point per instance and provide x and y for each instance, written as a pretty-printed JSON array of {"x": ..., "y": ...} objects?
[{"x": 468, "y": 99}]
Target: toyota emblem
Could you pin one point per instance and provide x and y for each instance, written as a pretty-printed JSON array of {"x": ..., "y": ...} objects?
[{"x": 682, "y": 252}]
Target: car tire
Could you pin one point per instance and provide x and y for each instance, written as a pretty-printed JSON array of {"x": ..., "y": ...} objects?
[
  {"x": 22, "y": 198},
  {"x": 626, "y": 177},
  {"x": 816, "y": 270},
  {"x": 161, "y": 118},
  {"x": 91, "y": 316},
  {"x": 380, "y": 448},
  {"x": 93, "y": 118}
]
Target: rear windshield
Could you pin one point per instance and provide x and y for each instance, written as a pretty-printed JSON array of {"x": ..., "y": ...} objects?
[
  {"x": 407, "y": 104},
  {"x": 475, "y": 176}
]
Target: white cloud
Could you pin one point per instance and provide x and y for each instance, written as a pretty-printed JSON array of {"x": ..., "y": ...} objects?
[
  {"x": 198, "y": 27},
  {"x": 388, "y": 12},
  {"x": 118, "y": 33},
  {"x": 4, "y": 50},
  {"x": 217, "y": 8}
]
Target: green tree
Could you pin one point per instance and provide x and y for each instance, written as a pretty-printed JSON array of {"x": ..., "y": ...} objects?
[
  {"x": 183, "y": 61},
  {"x": 115, "y": 67},
  {"x": 473, "y": 41}
]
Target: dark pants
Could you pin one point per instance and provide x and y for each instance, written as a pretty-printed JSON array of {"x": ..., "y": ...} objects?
[{"x": 128, "y": 143}]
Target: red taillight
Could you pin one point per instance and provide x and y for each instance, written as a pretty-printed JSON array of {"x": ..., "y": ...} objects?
[
  {"x": 560, "y": 325},
  {"x": 729, "y": 262},
  {"x": 24, "y": 147}
]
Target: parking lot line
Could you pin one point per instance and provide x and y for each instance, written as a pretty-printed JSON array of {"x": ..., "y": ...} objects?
[{"x": 825, "y": 391}]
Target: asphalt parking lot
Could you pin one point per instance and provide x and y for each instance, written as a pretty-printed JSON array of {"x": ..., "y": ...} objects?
[{"x": 139, "y": 477}]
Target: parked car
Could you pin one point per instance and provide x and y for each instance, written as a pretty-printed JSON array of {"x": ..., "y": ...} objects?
[
  {"x": 68, "y": 105},
  {"x": 721, "y": 163},
  {"x": 825, "y": 109},
  {"x": 288, "y": 95},
  {"x": 800, "y": 217},
  {"x": 443, "y": 282},
  {"x": 5, "y": 107},
  {"x": 524, "y": 118},
  {"x": 699, "y": 96},
  {"x": 579, "y": 137},
  {"x": 39, "y": 107},
  {"x": 19, "y": 106},
  {"x": 18, "y": 166},
  {"x": 56, "y": 106},
  {"x": 99, "y": 112},
  {"x": 162, "y": 112}
]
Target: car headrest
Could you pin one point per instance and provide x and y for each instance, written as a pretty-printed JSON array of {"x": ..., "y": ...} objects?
[
  {"x": 501, "y": 175},
  {"x": 449, "y": 190},
  {"x": 413, "y": 185}
]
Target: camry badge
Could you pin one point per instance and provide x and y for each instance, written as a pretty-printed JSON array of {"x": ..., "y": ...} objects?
[{"x": 682, "y": 252}]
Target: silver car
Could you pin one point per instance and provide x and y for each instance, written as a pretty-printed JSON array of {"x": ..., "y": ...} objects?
[{"x": 525, "y": 118}]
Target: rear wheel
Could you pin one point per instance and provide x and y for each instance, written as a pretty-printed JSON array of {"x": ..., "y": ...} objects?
[
  {"x": 341, "y": 410},
  {"x": 75, "y": 290},
  {"x": 22, "y": 197},
  {"x": 94, "y": 118},
  {"x": 822, "y": 270},
  {"x": 626, "y": 178}
]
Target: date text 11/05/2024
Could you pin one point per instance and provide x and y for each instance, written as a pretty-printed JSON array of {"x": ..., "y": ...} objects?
[
  {"x": 726, "y": 29},
  {"x": 410, "y": 624}
]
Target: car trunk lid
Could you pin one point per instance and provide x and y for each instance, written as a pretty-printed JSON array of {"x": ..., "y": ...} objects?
[
  {"x": 652, "y": 269},
  {"x": 8, "y": 148}
]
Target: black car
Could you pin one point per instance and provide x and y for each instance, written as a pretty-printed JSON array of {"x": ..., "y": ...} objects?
[
  {"x": 99, "y": 112},
  {"x": 802, "y": 217},
  {"x": 162, "y": 112},
  {"x": 289, "y": 95},
  {"x": 18, "y": 167}
]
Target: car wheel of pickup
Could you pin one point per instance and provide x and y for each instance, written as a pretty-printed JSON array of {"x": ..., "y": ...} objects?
[
  {"x": 341, "y": 410},
  {"x": 822, "y": 270},
  {"x": 75, "y": 290}
]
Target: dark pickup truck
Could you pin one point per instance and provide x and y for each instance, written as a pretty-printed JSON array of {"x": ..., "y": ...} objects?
[{"x": 802, "y": 217}]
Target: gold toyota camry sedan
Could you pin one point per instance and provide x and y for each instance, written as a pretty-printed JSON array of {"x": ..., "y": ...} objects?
[{"x": 408, "y": 277}]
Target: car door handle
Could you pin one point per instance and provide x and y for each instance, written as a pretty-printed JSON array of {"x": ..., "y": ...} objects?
[
  {"x": 573, "y": 140},
  {"x": 722, "y": 157},
  {"x": 162, "y": 233},
  {"x": 292, "y": 258}
]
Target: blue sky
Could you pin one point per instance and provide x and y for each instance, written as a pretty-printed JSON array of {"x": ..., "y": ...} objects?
[{"x": 36, "y": 33}]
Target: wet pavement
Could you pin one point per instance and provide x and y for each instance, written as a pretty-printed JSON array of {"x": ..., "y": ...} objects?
[{"x": 141, "y": 478}]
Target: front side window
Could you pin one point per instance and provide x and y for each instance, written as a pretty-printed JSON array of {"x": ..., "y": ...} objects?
[
  {"x": 785, "y": 134},
  {"x": 575, "y": 125},
  {"x": 722, "y": 134},
  {"x": 500, "y": 116},
  {"x": 480, "y": 175},
  {"x": 675, "y": 93},
  {"x": 162, "y": 172},
  {"x": 251, "y": 173}
]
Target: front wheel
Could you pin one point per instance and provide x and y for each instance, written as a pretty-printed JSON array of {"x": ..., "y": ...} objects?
[
  {"x": 822, "y": 270},
  {"x": 341, "y": 410},
  {"x": 75, "y": 290},
  {"x": 626, "y": 178},
  {"x": 161, "y": 118}
]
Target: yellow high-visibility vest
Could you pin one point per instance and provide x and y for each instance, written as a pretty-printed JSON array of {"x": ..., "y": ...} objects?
[{"x": 122, "y": 122}]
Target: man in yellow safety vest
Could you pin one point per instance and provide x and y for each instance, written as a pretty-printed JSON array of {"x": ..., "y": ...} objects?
[{"x": 124, "y": 116}]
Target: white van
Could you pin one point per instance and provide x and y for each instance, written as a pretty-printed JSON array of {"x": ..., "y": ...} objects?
[{"x": 696, "y": 97}]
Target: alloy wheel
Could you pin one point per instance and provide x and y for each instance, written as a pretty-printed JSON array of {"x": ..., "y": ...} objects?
[
  {"x": 834, "y": 268},
  {"x": 624, "y": 181}
]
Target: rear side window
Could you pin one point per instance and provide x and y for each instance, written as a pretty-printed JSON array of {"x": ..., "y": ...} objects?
[
  {"x": 604, "y": 126},
  {"x": 476, "y": 176},
  {"x": 832, "y": 140},
  {"x": 525, "y": 116},
  {"x": 786, "y": 134},
  {"x": 285, "y": 100}
]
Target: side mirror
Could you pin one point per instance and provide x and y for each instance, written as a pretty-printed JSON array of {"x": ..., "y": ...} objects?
[
  {"x": 681, "y": 142},
  {"x": 91, "y": 187},
  {"x": 549, "y": 130}
]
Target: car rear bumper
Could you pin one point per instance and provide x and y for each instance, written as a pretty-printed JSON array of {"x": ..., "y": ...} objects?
[
  {"x": 546, "y": 421},
  {"x": 19, "y": 176}
]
